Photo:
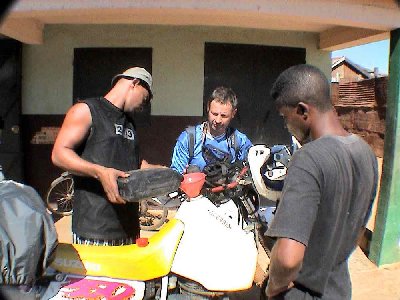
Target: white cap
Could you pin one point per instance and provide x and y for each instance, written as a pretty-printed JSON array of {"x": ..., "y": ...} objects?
[{"x": 139, "y": 73}]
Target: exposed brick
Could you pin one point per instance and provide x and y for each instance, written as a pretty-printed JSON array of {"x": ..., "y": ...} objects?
[{"x": 361, "y": 107}]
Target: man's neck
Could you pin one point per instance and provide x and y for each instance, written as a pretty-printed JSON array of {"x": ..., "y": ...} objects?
[
  {"x": 116, "y": 96},
  {"x": 327, "y": 123},
  {"x": 215, "y": 134}
]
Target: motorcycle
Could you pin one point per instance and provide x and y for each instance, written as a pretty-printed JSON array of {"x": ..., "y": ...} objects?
[{"x": 213, "y": 246}]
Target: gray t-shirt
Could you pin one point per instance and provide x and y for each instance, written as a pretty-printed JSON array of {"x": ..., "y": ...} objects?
[{"x": 326, "y": 199}]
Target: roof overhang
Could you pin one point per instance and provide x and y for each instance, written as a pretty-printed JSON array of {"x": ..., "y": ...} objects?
[{"x": 340, "y": 23}]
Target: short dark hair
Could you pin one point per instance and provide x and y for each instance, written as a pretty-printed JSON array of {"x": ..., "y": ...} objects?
[
  {"x": 302, "y": 83},
  {"x": 223, "y": 95}
]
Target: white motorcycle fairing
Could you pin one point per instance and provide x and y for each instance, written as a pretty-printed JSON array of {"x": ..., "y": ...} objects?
[
  {"x": 214, "y": 250},
  {"x": 257, "y": 156}
]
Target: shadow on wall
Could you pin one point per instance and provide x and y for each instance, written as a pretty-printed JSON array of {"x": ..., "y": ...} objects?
[{"x": 157, "y": 139}]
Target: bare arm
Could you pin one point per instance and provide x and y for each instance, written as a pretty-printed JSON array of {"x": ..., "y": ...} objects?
[
  {"x": 145, "y": 165},
  {"x": 286, "y": 259},
  {"x": 74, "y": 131}
]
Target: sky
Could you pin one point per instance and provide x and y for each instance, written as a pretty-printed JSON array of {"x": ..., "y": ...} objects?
[{"x": 368, "y": 55}]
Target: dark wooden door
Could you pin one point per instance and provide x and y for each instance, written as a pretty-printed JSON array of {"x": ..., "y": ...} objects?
[
  {"x": 250, "y": 70},
  {"x": 95, "y": 67},
  {"x": 11, "y": 157}
]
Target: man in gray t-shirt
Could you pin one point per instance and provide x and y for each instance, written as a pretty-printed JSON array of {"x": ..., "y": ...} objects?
[{"x": 327, "y": 195}]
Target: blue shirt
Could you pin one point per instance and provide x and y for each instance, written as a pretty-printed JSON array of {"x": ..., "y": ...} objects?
[{"x": 180, "y": 156}]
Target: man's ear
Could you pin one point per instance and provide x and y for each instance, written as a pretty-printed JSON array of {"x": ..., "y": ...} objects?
[
  {"x": 234, "y": 113},
  {"x": 135, "y": 81},
  {"x": 303, "y": 110},
  {"x": 208, "y": 106}
]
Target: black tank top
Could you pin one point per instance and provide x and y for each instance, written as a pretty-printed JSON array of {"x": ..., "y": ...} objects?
[{"x": 112, "y": 142}]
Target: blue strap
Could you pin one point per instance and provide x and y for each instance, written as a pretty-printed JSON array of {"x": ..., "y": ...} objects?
[{"x": 191, "y": 132}]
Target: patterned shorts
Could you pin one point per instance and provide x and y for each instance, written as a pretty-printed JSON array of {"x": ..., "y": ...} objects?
[{"x": 84, "y": 241}]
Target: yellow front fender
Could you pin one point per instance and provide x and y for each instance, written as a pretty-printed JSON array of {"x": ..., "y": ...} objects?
[{"x": 126, "y": 262}]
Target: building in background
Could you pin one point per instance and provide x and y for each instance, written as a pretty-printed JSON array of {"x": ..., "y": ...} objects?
[{"x": 345, "y": 70}]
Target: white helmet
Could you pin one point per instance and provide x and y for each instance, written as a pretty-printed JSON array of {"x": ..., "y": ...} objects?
[{"x": 268, "y": 168}]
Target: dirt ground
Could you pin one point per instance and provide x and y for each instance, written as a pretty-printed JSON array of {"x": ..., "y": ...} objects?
[{"x": 370, "y": 282}]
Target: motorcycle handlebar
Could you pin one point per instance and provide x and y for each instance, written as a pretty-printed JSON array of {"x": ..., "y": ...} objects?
[{"x": 231, "y": 185}]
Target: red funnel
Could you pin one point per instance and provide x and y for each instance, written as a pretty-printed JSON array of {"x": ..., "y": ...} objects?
[{"x": 192, "y": 183}]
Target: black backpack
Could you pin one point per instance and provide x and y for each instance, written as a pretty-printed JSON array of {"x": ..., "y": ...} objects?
[
  {"x": 191, "y": 132},
  {"x": 27, "y": 234}
]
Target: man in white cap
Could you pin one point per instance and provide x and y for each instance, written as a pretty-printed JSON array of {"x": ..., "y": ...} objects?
[{"x": 97, "y": 144}]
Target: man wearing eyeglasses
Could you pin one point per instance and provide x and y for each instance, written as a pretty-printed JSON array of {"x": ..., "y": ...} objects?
[
  {"x": 214, "y": 140},
  {"x": 97, "y": 144}
]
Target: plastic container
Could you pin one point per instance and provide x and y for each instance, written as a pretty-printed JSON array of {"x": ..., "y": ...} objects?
[{"x": 192, "y": 184}]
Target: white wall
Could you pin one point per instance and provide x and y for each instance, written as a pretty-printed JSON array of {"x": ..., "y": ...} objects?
[{"x": 178, "y": 61}]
